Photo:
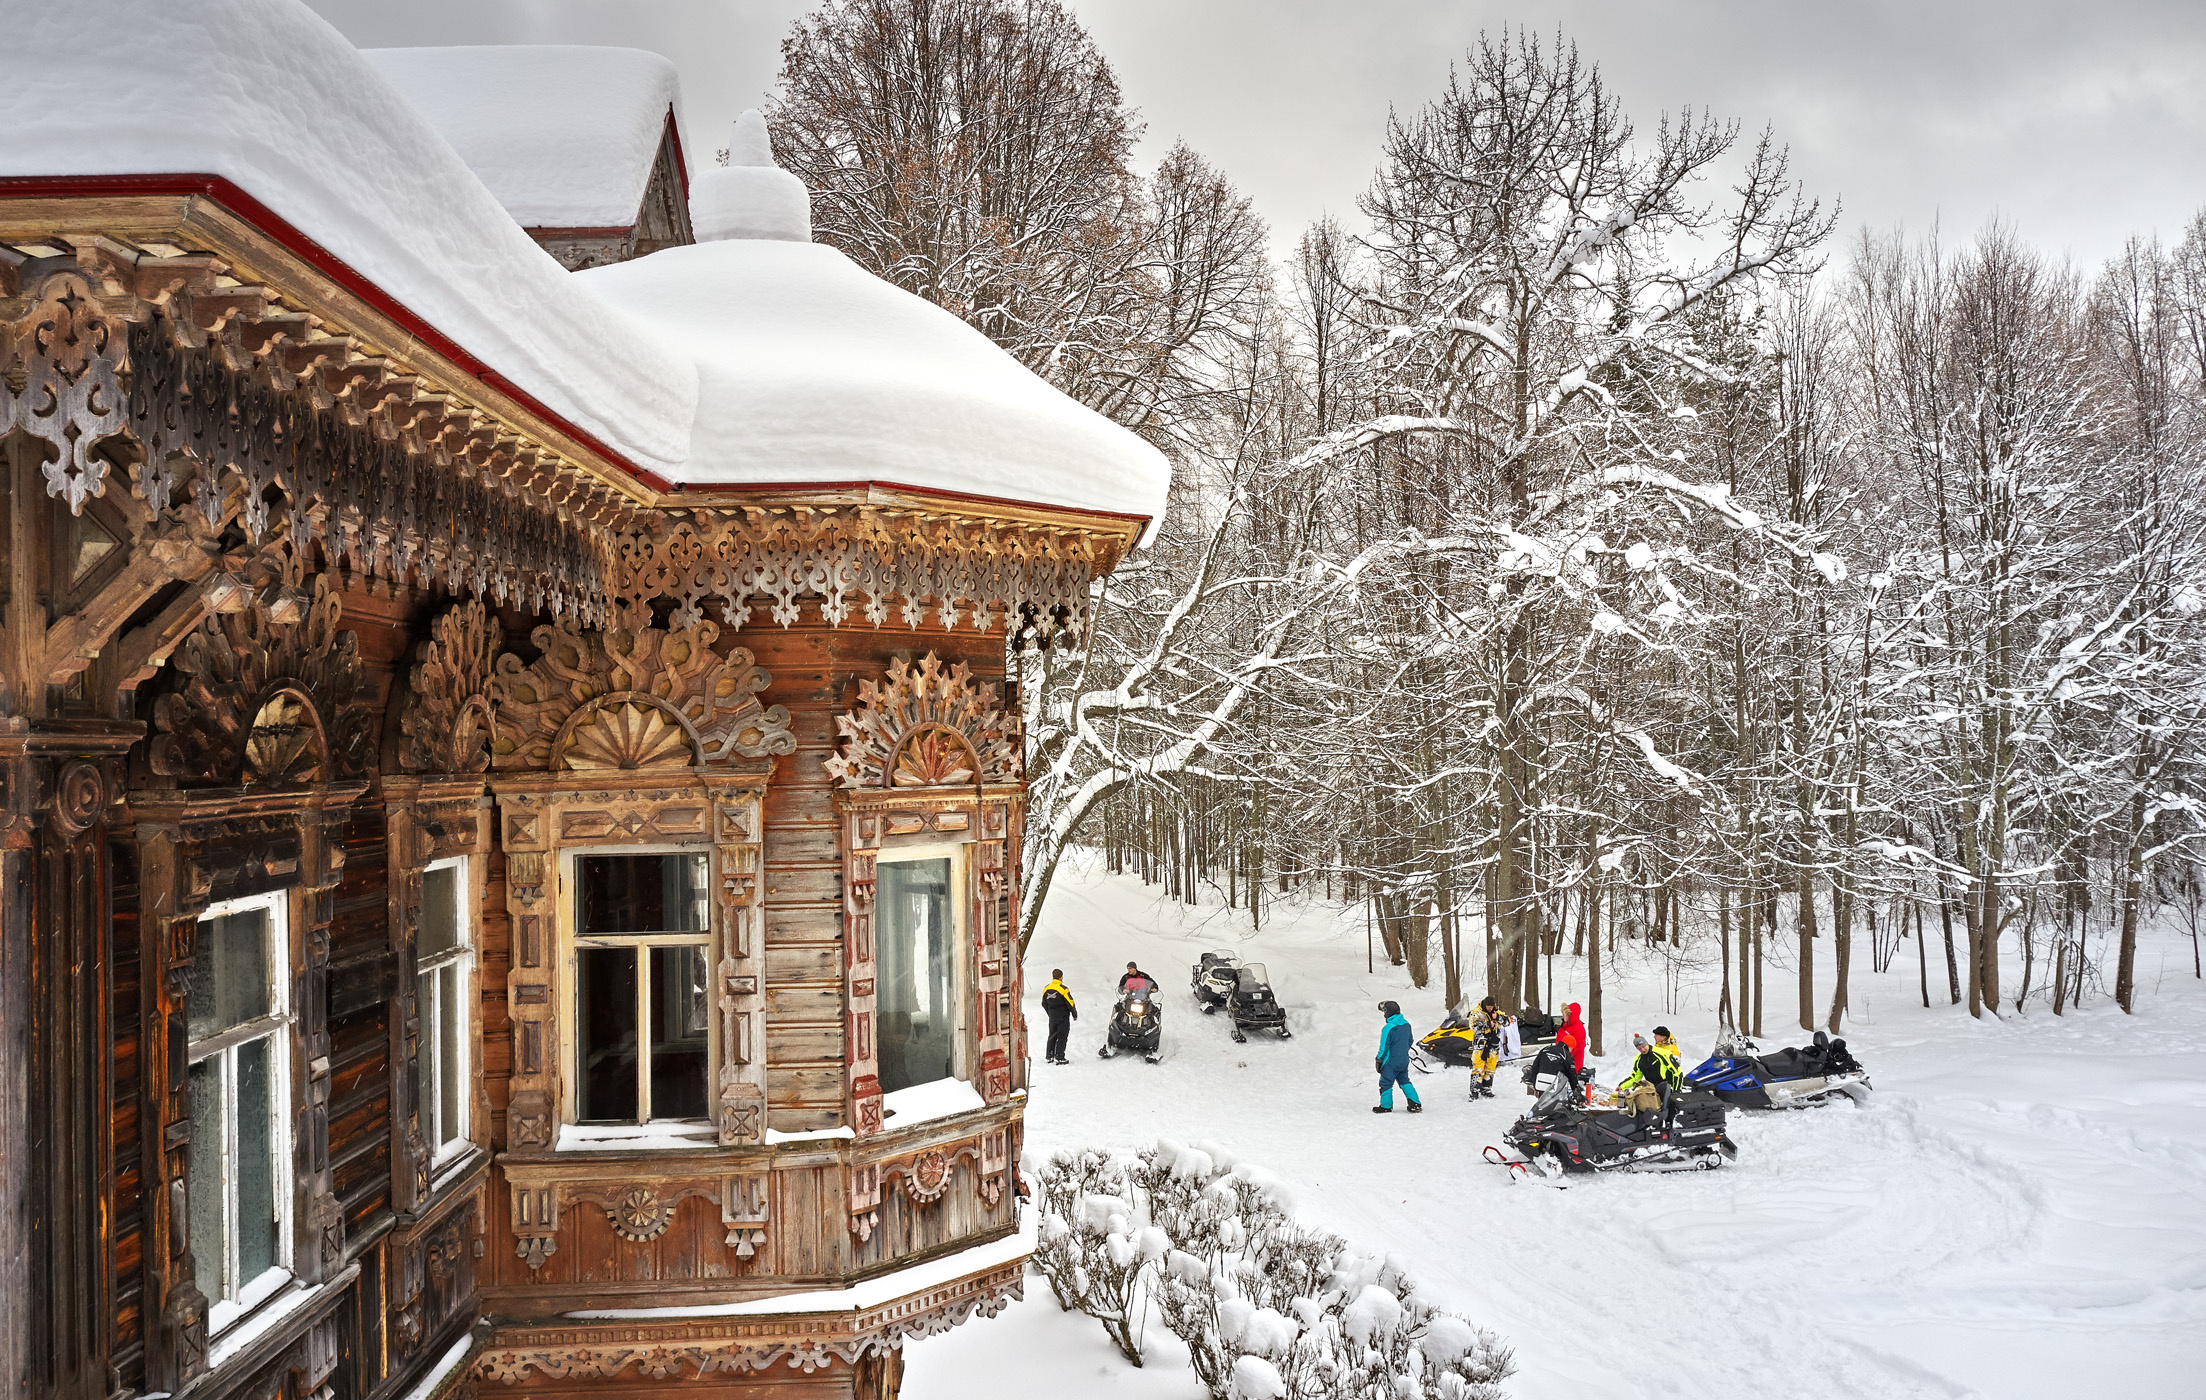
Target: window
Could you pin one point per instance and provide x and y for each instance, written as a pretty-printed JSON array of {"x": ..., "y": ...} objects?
[
  {"x": 642, "y": 1021},
  {"x": 444, "y": 957},
  {"x": 240, "y": 1085},
  {"x": 915, "y": 927}
]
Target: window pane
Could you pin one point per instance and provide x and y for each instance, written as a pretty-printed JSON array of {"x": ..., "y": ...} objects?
[
  {"x": 229, "y": 980},
  {"x": 659, "y": 893},
  {"x": 206, "y": 1179},
  {"x": 605, "y": 1035},
  {"x": 451, "y": 1006},
  {"x": 918, "y": 982},
  {"x": 257, "y": 1250},
  {"x": 678, "y": 1028},
  {"x": 440, "y": 912}
]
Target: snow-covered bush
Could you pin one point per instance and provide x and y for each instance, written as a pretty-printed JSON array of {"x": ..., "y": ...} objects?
[
  {"x": 1095, "y": 1244},
  {"x": 1269, "y": 1309}
]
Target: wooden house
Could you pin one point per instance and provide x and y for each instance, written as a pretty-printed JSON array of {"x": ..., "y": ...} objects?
[{"x": 512, "y": 776}]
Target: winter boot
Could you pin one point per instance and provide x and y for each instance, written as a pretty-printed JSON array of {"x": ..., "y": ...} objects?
[
  {"x": 1417, "y": 1108},
  {"x": 1382, "y": 1108}
]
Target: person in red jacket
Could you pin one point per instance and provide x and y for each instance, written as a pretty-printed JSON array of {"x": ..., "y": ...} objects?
[{"x": 1572, "y": 1033}]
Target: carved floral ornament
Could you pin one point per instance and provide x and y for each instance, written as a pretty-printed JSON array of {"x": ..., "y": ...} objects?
[
  {"x": 930, "y": 725},
  {"x": 269, "y": 695},
  {"x": 623, "y": 697}
]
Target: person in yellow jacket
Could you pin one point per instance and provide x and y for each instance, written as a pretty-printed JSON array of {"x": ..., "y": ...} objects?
[
  {"x": 1665, "y": 1045},
  {"x": 1652, "y": 1074},
  {"x": 1489, "y": 1028},
  {"x": 1057, "y": 1005}
]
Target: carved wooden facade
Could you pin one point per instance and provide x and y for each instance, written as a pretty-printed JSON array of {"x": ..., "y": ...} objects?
[{"x": 300, "y": 607}]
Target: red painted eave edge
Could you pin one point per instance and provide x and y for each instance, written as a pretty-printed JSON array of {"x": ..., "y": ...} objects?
[{"x": 223, "y": 192}]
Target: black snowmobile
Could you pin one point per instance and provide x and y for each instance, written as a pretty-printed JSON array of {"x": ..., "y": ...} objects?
[
  {"x": 1135, "y": 1025},
  {"x": 1741, "y": 1073},
  {"x": 1252, "y": 1005},
  {"x": 1214, "y": 980},
  {"x": 1550, "y": 1064},
  {"x": 1535, "y": 1028},
  {"x": 1564, "y": 1135}
]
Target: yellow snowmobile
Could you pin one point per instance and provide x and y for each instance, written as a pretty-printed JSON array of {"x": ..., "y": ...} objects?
[{"x": 1450, "y": 1043}]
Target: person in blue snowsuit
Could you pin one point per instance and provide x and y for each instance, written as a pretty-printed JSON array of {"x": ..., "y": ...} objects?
[{"x": 1393, "y": 1060}]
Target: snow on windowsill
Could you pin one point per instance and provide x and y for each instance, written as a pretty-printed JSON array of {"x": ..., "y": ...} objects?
[
  {"x": 260, "y": 1323},
  {"x": 872, "y": 1293},
  {"x": 775, "y": 1136},
  {"x": 924, "y": 1103},
  {"x": 445, "y": 1366},
  {"x": 649, "y": 1137}
]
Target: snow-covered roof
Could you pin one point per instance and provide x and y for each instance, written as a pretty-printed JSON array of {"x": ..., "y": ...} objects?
[
  {"x": 565, "y": 136},
  {"x": 813, "y": 369},
  {"x": 265, "y": 94},
  {"x": 758, "y": 359}
]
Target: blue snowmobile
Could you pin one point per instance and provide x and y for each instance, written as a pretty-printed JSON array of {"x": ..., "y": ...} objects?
[{"x": 1742, "y": 1074}]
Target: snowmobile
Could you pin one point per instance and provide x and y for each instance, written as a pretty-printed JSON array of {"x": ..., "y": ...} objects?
[
  {"x": 1536, "y": 1028},
  {"x": 1215, "y": 976},
  {"x": 1563, "y": 1135},
  {"x": 1740, "y": 1073},
  {"x": 1135, "y": 1025},
  {"x": 1550, "y": 1064},
  {"x": 1252, "y": 1005},
  {"x": 1449, "y": 1043}
]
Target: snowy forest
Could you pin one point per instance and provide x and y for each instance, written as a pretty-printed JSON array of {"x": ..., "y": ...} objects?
[{"x": 1585, "y": 541}]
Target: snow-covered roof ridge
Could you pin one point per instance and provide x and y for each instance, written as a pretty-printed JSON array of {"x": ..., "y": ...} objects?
[
  {"x": 563, "y": 135},
  {"x": 266, "y": 95}
]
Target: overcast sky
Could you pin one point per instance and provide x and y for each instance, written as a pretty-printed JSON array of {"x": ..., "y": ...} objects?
[{"x": 2077, "y": 122}]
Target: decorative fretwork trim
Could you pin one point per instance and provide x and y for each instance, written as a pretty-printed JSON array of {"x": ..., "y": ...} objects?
[{"x": 931, "y": 725}]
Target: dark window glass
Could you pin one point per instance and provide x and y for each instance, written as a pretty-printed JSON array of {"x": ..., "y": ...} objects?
[
  {"x": 663, "y": 892},
  {"x": 229, "y": 978},
  {"x": 678, "y": 1028},
  {"x": 205, "y": 1179},
  {"x": 256, "y": 1162},
  {"x": 918, "y": 974},
  {"x": 440, "y": 912},
  {"x": 605, "y": 1035}
]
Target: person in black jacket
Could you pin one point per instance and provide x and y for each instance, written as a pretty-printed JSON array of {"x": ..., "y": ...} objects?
[
  {"x": 1057, "y": 1005},
  {"x": 1134, "y": 974}
]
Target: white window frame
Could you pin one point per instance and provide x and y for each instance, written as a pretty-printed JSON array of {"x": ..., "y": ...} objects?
[
  {"x": 462, "y": 957},
  {"x": 706, "y": 940},
  {"x": 225, "y": 1309},
  {"x": 961, "y": 949}
]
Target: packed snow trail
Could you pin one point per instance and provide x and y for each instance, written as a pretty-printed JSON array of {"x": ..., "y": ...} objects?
[{"x": 2020, "y": 1210}]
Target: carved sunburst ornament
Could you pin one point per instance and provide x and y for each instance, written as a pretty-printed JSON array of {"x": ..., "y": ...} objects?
[
  {"x": 625, "y": 682},
  {"x": 447, "y": 721},
  {"x": 640, "y": 1215},
  {"x": 263, "y": 700},
  {"x": 625, "y": 736},
  {"x": 931, "y": 725}
]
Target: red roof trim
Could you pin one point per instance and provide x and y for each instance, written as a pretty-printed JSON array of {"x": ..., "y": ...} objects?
[{"x": 237, "y": 201}]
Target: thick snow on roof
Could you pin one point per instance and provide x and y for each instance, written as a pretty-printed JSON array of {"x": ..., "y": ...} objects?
[
  {"x": 564, "y": 136},
  {"x": 811, "y": 369},
  {"x": 269, "y": 96}
]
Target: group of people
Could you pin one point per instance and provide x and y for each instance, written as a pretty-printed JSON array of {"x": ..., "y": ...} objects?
[
  {"x": 1658, "y": 1067},
  {"x": 1058, "y": 1006}
]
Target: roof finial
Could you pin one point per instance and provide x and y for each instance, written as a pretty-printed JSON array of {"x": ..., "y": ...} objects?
[{"x": 750, "y": 196}]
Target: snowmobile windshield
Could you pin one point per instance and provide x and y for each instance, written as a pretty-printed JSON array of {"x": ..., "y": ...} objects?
[
  {"x": 1558, "y": 1095},
  {"x": 1251, "y": 977},
  {"x": 1137, "y": 1001}
]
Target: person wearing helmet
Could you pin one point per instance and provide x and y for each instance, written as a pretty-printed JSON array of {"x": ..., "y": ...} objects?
[{"x": 1392, "y": 1061}]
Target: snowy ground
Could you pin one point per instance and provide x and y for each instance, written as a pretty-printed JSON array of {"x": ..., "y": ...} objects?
[{"x": 2020, "y": 1213}]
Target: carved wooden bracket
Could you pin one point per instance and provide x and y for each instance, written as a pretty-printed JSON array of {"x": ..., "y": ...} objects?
[{"x": 743, "y": 1211}]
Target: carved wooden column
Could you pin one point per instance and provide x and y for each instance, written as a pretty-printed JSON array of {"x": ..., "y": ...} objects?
[
  {"x": 321, "y": 1240},
  {"x": 532, "y": 1111},
  {"x": 861, "y": 852},
  {"x": 742, "y": 974},
  {"x": 402, "y": 865}
]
